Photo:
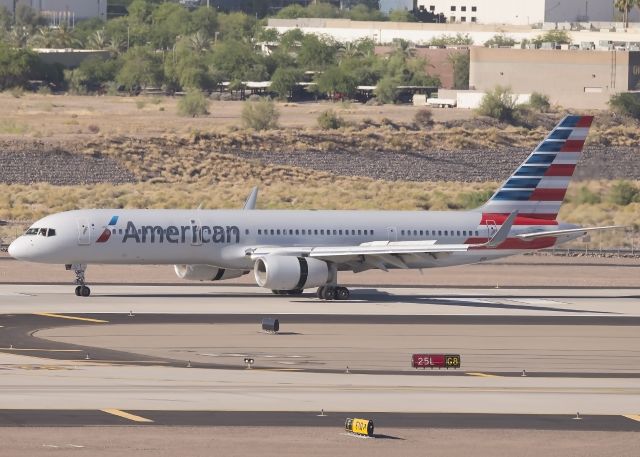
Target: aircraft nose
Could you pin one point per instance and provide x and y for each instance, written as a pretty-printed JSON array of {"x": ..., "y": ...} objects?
[{"x": 19, "y": 249}]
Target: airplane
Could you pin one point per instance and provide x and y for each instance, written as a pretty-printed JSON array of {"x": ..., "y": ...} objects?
[{"x": 292, "y": 250}]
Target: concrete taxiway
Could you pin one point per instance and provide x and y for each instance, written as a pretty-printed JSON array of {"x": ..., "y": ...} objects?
[{"x": 160, "y": 356}]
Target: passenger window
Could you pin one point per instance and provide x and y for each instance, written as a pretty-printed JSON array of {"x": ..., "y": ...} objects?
[
  {"x": 464, "y": 233},
  {"x": 421, "y": 233},
  {"x": 458, "y": 232},
  {"x": 477, "y": 233},
  {"x": 371, "y": 232},
  {"x": 402, "y": 232},
  {"x": 315, "y": 231},
  {"x": 439, "y": 232},
  {"x": 272, "y": 232},
  {"x": 415, "y": 233},
  {"x": 359, "y": 232},
  {"x": 297, "y": 232},
  {"x": 339, "y": 232},
  {"x": 259, "y": 232},
  {"x": 353, "y": 232},
  {"x": 335, "y": 232},
  {"x": 446, "y": 233},
  {"x": 304, "y": 232}
]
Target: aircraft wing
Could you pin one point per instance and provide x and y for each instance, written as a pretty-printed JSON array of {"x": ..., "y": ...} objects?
[
  {"x": 584, "y": 231},
  {"x": 380, "y": 254}
]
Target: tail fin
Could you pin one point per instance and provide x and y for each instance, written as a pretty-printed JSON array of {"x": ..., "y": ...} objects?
[{"x": 537, "y": 188}]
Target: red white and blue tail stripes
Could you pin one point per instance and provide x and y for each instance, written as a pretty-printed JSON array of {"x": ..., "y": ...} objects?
[{"x": 537, "y": 188}]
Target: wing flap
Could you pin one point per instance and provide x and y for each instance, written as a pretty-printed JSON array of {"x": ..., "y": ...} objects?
[{"x": 547, "y": 233}]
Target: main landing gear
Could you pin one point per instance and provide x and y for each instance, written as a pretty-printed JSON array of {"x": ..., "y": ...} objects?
[
  {"x": 81, "y": 289},
  {"x": 333, "y": 293}
]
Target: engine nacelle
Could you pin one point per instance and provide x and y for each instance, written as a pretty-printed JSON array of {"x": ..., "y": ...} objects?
[
  {"x": 278, "y": 272},
  {"x": 206, "y": 273}
]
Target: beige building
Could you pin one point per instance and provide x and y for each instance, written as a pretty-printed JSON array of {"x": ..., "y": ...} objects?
[{"x": 571, "y": 78}]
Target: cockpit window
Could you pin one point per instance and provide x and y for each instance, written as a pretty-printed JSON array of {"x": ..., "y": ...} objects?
[{"x": 41, "y": 231}]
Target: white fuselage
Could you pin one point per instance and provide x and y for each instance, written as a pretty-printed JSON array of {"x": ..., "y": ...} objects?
[{"x": 222, "y": 237}]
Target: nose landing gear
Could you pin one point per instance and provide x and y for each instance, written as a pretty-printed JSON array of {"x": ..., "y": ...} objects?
[{"x": 82, "y": 290}]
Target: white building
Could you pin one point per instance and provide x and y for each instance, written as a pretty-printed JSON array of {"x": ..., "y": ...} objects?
[
  {"x": 55, "y": 10},
  {"x": 524, "y": 12}
]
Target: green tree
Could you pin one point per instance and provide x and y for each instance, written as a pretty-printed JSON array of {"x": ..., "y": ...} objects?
[
  {"x": 625, "y": 7},
  {"x": 336, "y": 81},
  {"x": 460, "y": 62},
  {"x": 204, "y": 20},
  {"x": 28, "y": 17},
  {"x": 284, "y": 81},
  {"x": 292, "y": 12},
  {"x": 447, "y": 40},
  {"x": 387, "y": 89},
  {"x": 498, "y": 103},
  {"x": 236, "y": 26},
  {"x": 141, "y": 67},
  {"x": 168, "y": 21},
  {"x": 316, "y": 53},
  {"x": 401, "y": 16},
  {"x": 362, "y": 12},
  {"x": 500, "y": 41},
  {"x": 94, "y": 73},
  {"x": 552, "y": 36},
  {"x": 236, "y": 60},
  {"x": 6, "y": 18}
]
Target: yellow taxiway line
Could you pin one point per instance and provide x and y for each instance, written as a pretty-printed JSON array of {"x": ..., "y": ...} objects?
[
  {"x": 633, "y": 417},
  {"x": 126, "y": 415},
  {"x": 75, "y": 318},
  {"x": 483, "y": 375}
]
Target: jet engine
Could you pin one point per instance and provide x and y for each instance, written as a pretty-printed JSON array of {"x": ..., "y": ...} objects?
[
  {"x": 206, "y": 273},
  {"x": 277, "y": 272}
]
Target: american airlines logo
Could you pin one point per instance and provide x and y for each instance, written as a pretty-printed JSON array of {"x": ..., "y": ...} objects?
[
  {"x": 106, "y": 234},
  {"x": 181, "y": 234}
]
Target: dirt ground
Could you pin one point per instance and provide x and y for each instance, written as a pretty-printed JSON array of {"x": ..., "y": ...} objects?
[
  {"x": 272, "y": 441},
  {"x": 63, "y": 116},
  {"x": 520, "y": 271}
]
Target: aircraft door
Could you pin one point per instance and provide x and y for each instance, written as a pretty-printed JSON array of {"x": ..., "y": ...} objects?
[
  {"x": 196, "y": 235},
  {"x": 84, "y": 232},
  {"x": 491, "y": 228},
  {"x": 392, "y": 234}
]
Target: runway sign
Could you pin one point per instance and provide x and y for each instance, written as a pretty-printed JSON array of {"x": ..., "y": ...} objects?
[{"x": 435, "y": 361}]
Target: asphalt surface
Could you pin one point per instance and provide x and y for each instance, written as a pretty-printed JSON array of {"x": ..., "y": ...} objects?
[
  {"x": 17, "y": 337},
  {"x": 382, "y": 420}
]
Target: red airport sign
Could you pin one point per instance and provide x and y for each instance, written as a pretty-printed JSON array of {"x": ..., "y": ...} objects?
[{"x": 435, "y": 361}]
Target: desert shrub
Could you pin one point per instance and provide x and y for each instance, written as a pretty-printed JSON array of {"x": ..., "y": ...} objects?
[
  {"x": 586, "y": 197},
  {"x": 423, "y": 118},
  {"x": 260, "y": 115},
  {"x": 626, "y": 104},
  {"x": 330, "y": 120},
  {"x": 500, "y": 41},
  {"x": 44, "y": 90},
  {"x": 194, "y": 104},
  {"x": 17, "y": 92},
  {"x": 471, "y": 200},
  {"x": 141, "y": 104},
  {"x": 93, "y": 128},
  {"x": 498, "y": 103},
  {"x": 624, "y": 193},
  {"x": 539, "y": 102}
]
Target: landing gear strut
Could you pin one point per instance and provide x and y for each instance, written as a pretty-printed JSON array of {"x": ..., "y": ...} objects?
[{"x": 81, "y": 289}]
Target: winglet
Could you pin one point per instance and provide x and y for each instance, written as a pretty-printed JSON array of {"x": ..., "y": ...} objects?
[
  {"x": 250, "y": 203},
  {"x": 503, "y": 232}
]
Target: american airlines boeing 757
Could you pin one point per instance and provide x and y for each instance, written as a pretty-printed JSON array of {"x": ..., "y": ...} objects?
[{"x": 289, "y": 251}]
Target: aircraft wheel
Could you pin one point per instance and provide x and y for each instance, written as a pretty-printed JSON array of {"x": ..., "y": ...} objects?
[
  {"x": 329, "y": 293},
  {"x": 85, "y": 291},
  {"x": 78, "y": 291},
  {"x": 342, "y": 293},
  {"x": 320, "y": 292}
]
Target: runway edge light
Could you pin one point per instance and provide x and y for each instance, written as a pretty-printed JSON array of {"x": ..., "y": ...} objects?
[{"x": 359, "y": 426}]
